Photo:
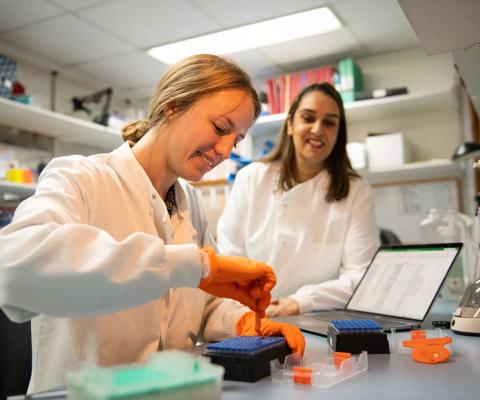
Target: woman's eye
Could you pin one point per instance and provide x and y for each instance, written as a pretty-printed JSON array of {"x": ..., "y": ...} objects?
[
  {"x": 219, "y": 130},
  {"x": 309, "y": 119},
  {"x": 330, "y": 123}
]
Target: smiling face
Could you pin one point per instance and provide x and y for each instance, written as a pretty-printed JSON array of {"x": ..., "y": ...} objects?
[
  {"x": 314, "y": 131},
  {"x": 202, "y": 137}
]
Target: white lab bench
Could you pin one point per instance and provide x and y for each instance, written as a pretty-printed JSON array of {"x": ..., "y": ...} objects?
[{"x": 389, "y": 376}]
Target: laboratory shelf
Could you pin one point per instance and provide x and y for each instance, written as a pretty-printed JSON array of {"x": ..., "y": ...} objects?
[
  {"x": 56, "y": 125},
  {"x": 416, "y": 171},
  {"x": 367, "y": 110},
  {"x": 20, "y": 189}
]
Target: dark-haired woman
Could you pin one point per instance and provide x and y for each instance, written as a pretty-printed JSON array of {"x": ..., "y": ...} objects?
[{"x": 304, "y": 210}]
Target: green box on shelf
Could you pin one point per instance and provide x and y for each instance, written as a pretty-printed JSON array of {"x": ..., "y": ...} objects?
[
  {"x": 351, "y": 79},
  {"x": 347, "y": 95}
]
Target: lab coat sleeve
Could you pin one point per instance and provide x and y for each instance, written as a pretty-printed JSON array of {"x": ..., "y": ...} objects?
[
  {"x": 52, "y": 262},
  {"x": 361, "y": 242},
  {"x": 232, "y": 222}
]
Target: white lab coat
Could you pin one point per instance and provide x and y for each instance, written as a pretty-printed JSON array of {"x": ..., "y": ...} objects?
[
  {"x": 91, "y": 252},
  {"x": 319, "y": 250}
]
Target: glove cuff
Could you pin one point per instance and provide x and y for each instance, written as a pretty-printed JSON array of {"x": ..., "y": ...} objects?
[
  {"x": 212, "y": 267},
  {"x": 204, "y": 263},
  {"x": 243, "y": 324}
]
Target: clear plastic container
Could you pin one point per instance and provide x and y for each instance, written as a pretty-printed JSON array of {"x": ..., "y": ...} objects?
[
  {"x": 446, "y": 226},
  {"x": 168, "y": 374},
  {"x": 318, "y": 369}
]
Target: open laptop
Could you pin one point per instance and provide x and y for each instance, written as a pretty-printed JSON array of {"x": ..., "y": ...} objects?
[{"x": 397, "y": 289}]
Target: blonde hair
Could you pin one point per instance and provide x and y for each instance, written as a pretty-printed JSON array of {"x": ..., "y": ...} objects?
[{"x": 185, "y": 83}]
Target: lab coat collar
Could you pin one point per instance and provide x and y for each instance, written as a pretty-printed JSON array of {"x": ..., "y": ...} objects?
[
  {"x": 320, "y": 180},
  {"x": 129, "y": 167}
]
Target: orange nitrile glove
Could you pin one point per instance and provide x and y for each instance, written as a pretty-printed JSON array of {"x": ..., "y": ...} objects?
[
  {"x": 293, "y": 335},
  {"x": 239, "y": 278}
]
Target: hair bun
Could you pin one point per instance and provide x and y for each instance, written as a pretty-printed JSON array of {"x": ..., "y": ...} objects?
[{"x": 135, "y": 130}]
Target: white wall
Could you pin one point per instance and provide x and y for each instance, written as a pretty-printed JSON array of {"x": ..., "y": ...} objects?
[
  {"x": 36, "y": 78},
  {"x": 433, "y": 133}
]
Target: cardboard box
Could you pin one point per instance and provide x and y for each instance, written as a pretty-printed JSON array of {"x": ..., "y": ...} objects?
[
  {"x": 357, "y": 155},
  {"x": 387, "y": 150}
]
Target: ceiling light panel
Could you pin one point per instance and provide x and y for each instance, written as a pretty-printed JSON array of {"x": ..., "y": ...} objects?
[{"x": 257, "y": 35}]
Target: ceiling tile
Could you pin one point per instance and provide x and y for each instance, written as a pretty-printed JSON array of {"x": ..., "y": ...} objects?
[
  {"x": 444, "y": 25},
  {"x": 74, "y": 5},
  {"x": 127, "y": 70},
  {"x": 391, "y": 41},
  {"x": 376, "y": 20},
  {"x": 148, "y": 23},
  {"x": 17, "y": 13},
  {"x": 67, "y": 39},
  {"x": 324, "y": 46},
  {"x": 102, "y": 39},
  {"x": 256, "y": 63},
  {"x": 235, "y": 13}
]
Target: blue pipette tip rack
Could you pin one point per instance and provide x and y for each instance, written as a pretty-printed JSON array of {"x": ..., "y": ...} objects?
[
  {"x": 355, "y": 325},
  {"x": 245, "y": 345},
  {"x": 247, "y": 358},
  {"x": 354, "y": 336}
]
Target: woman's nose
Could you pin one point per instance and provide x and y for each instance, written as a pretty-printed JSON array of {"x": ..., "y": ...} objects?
[
  {"x": 224, "y": 145},
  {"x": 316, "y": 127}
]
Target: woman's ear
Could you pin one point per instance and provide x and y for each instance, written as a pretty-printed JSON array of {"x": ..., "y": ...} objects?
[
  {"x": 289, "y": 127},
  {"x": 169, "y": 111}
]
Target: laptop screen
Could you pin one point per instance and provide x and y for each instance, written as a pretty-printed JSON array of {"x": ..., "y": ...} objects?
[{"x": 402, "y": 281}]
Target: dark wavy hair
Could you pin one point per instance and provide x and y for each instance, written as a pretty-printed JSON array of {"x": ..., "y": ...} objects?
[{"x": 337, "y": 164}]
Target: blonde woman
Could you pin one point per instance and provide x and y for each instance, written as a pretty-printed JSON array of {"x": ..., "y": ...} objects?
[{"x": 113, "y": 244}]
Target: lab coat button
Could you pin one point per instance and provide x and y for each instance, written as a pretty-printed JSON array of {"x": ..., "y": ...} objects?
[{"x": 153, "y": 196}]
